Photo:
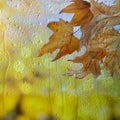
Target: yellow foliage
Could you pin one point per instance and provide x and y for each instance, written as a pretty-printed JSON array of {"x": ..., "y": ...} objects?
[
  {"x": 35, "y": 106},
  {"x": 22, "y": 117},
  {"x": 8, "y": 103}
]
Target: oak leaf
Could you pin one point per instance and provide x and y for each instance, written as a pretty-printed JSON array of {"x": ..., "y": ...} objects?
[{"x": 81, "y": 10}]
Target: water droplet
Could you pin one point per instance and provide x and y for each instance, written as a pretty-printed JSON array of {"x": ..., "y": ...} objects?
[{"x": 19, "y": 66}]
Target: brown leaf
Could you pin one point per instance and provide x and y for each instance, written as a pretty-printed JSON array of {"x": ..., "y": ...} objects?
[
  {"x": 97, "y": 24},
  {"x": 82, "y": 13},
  {"x": 62, "y": 39},
  {"x": 109, "y": 43},
  {"x": 109, "y": 62},
  {"x": 77, "y": 73},
  {"x": 112, "y": 61},
  {"x": 95, "y": 67},
  {"x": 60, "y": 25},
  {"x": 55, "y": 26},
  {"x": 74, "y": 45},
  {"x": 118, "y": 4},
  {"x": 98, "y": 53},
  {"x": 75, "y": 6},
  {"x": 82, "y": 17},
  {"x": 98, "y": 36},
  {"x": 90, "y": 60},
  {"x": 101, "y": 8},
  {"x": 103, "y": 39}
]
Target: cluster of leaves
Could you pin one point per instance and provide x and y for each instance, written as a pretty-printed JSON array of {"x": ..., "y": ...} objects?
[{"x": 102, "y": 41}]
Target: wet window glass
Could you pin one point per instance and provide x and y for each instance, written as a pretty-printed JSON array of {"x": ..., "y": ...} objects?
[{"x": 59, "y": 59}]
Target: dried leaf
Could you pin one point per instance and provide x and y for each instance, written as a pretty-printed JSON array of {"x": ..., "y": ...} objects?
[
  {"x": 77, "y": 73},
  {"x": 62, "y": 39},
  {"x": 103, "y": 39},
  {"x": 90, "y": 30},
  {"x": 109, "y": 41},
  {"x": 90, "y": 60},
  {"x": 112, "y": 61},
  {"x": 55, "y": 26},
  {"x": 81, "y": 10},
  {"x": 75, "y": 6},
  {"x": 101, "y": 8},
  {"x": 95, "y": 67},
  {"x": 74, "y": 45},
  {"x": 98, "y": 36}
]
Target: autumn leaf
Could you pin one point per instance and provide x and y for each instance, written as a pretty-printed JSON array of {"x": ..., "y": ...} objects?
[
  {"x": 102, "y": 42},
  {"x": 105, "y": 45},
  {"x": 90, "y": 61},
  {"x": 62, "y": 39},
  {"x": 112, "y": 61},
  {"x": 102, "y": 9},
  {"x": 81, "y": 10},
  {"x": 73, "y": 46},
  {"x": 109, "y": 40},
  {"x": 118, "y": 4},
  {"x": 77, "y": 73},
  {"x": 55, "y": 26},
  {"x": 97, "y": 24},
  {"x": 104, "y": 17}
]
